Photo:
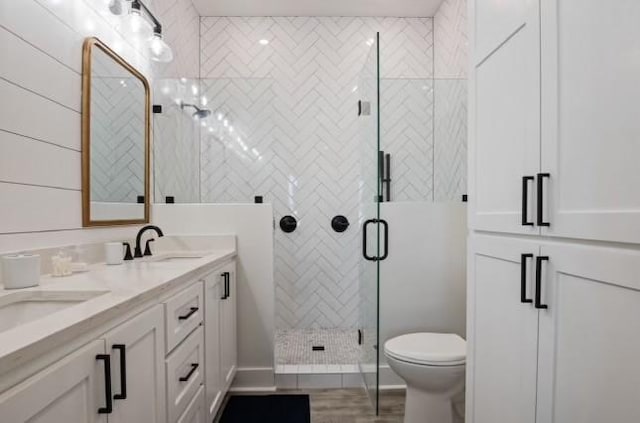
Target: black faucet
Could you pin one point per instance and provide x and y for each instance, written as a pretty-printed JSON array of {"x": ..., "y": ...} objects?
[{"x": 138, "y": 251}]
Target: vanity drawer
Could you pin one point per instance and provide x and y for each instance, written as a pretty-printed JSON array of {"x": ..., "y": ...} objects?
[
  {"x": 185, "y": 374},
  {"x": 183, "y": 313},
  {"x": 196, "y": 411}
]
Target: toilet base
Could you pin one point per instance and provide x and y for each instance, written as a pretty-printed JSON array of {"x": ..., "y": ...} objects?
[{"x": 424, "y": 407}]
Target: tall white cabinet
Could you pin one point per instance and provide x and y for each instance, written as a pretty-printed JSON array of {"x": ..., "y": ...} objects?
[{"x": 553, "y": 316}]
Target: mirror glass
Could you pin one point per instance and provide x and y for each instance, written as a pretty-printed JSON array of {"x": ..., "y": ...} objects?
[{"x": 115, "y": 139}]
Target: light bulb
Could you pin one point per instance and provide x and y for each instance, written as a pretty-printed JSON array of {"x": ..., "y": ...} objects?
[
  {"x": 160, "y": 51},
  {"x": 134, "y": 24}
]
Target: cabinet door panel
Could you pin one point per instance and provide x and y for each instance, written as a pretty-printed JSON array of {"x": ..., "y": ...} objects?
[
  {"x": 502, "y": 334},
  {"x": 588, "y": 336},
  {"x": 143, "y": 338},
  {"x": 505, "y": 132},
  {"x": 213, "y": 292},
  {"x": 70, "y": 390},
  {"x": 590, "y": 143},
  {"x": 228, "y": 329}
]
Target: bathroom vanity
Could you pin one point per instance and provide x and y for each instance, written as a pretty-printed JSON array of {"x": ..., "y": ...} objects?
[{"x": 153, "y": 340}]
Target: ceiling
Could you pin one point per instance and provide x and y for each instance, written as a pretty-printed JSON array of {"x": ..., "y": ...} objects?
[{"x": 399, "y": 8}]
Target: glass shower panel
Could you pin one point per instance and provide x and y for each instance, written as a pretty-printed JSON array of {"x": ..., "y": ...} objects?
[
  {"x": 176, "y": 145},
  {"x": 369, "y": 142},
  {"x": 450, "y": 139}
]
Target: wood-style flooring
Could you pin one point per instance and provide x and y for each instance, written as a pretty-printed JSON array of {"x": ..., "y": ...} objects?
[{"x": 351, "y": 406}]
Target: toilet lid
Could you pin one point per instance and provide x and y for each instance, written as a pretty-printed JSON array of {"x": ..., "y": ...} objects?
[{"x": 434, "y": 349}]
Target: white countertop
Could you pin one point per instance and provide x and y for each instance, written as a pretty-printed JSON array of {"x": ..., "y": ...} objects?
[{"x": 129, "y": 285}]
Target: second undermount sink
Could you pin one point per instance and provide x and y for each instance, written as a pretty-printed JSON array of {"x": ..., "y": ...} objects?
[{"x": 19, "y": 308}]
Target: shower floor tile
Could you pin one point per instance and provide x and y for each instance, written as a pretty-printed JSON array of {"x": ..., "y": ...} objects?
[{"x": 295, "y": 347}]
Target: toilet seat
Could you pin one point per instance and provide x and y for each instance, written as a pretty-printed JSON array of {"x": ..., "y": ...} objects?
[{"x": 428, "y": 349}]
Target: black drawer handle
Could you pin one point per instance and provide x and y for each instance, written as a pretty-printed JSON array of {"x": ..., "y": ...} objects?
[
  {"x": 123, "y": 371},
  {"x": 194, "y": 367},
  {"x": 191, "y": 312},
  {"x": 227, "y": 281},
  {"x": 538, "y": 303},
  {"x": 108, "y": 409},
  {"x": 225, "y": 288},
  {"x": 525, "y": 200},
  {"x": 541, "y": 177},
  {"x": 523, "y": 278}
]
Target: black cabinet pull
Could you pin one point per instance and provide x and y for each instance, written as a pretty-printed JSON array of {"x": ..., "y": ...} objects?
[
  {"x": 364, "y": 240},
  {"x": 191, "y": 312},
  {"x": 386, "y": 239},
  {"x": 541, "y": 177},
  {"x": 108, "y": 409},
  {"x": 225, "y": 287},
  {"x": 523, "y": 278},
  {"x": 123, "y": 371},
  {"x": 525, "y": 200},
  {"x": 194, "y": 367},
  {"x": 538, "y": 303},
  {"x": 227, "y": 284}
]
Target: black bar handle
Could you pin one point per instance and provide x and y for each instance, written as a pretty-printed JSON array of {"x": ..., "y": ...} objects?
[
  {"x": 386, "y": 239},
  {"x": 194, "y": 367},
  {"x": 541, "y": 177},
  {"x": 224, "y": 285},
  {"x": 387, "y": 175},
  {"x": 523, "y": 278},
  {"x": 364, "y": 240},
  {"x": 191, "y": 312},
  {"x": 123, "y": 371},
  {"x": 227, "y": 284},
  {"x": 108, "y": 409},
  {"x": 538, "y": 303},
  {"x": 525, "y": 200}
]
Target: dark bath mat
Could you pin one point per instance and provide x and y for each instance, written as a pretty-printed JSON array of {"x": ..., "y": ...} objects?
[{"x": 267, "y": 409}]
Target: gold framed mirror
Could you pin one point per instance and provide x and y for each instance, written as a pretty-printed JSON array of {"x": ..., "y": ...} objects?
[{"x": 116, "y": 131}]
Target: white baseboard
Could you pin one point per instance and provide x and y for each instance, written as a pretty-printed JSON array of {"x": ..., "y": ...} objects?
[{"x": 254, "y": 379}]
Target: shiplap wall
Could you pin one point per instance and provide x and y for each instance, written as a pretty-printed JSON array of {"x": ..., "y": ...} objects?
[{"x": 40, "y": 98}]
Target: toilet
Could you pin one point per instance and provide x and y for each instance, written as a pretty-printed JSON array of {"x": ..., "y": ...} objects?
[{"x": 432, "y": 365}]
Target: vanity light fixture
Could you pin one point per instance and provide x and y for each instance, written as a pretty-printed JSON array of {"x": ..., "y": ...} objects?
[{"x": 141, "y": 23}]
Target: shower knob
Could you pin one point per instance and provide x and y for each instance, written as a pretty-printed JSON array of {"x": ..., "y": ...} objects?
[
  {"x": 288, "y": 224},
  {"x": 339, "y": 223}
]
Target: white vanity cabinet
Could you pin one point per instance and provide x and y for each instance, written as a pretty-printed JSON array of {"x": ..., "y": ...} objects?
[
  {"x": 71, "y": 390},
  {"x": 171, "y": 361},
  {"x": 128, "y": 361},
  {"x": 220, "y": 335}
]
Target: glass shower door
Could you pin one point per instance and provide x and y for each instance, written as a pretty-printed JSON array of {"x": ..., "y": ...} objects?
[{"x": 369, "y": 218}]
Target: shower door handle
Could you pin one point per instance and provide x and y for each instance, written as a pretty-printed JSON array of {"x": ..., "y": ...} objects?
[
  {"x": 364, "y": 240},
  {"x": 386, "y": 239}
]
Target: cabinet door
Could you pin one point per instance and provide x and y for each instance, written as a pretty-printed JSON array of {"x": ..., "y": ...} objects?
[
  {"x": 591, "y": 130},
  {"x": 137, "y": 371},
  {"x": 213, "y": 293},
  {"x": 71, "y": 390},
  {"x": 228, "y": 328},
  {"x": 504, "y": 119},
  {"x": 589, "y": 344},
  {"x": 502, "y": 332}
]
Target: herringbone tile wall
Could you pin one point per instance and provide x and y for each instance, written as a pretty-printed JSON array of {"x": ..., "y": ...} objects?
[
  {"x": 450, "y": 100},
  {"x": 292, "y": 136}
]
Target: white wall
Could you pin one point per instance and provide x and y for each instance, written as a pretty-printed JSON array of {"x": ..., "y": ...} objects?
[
  {"x": 40, "y": 97},
  {"x": 253, "y": 226},
  {"x": 423, "y": 281}
]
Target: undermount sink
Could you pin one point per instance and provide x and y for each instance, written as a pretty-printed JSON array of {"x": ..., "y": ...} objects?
[
  {"x": 19, "y": 308},
  {"x": 176, "y": 257}
]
